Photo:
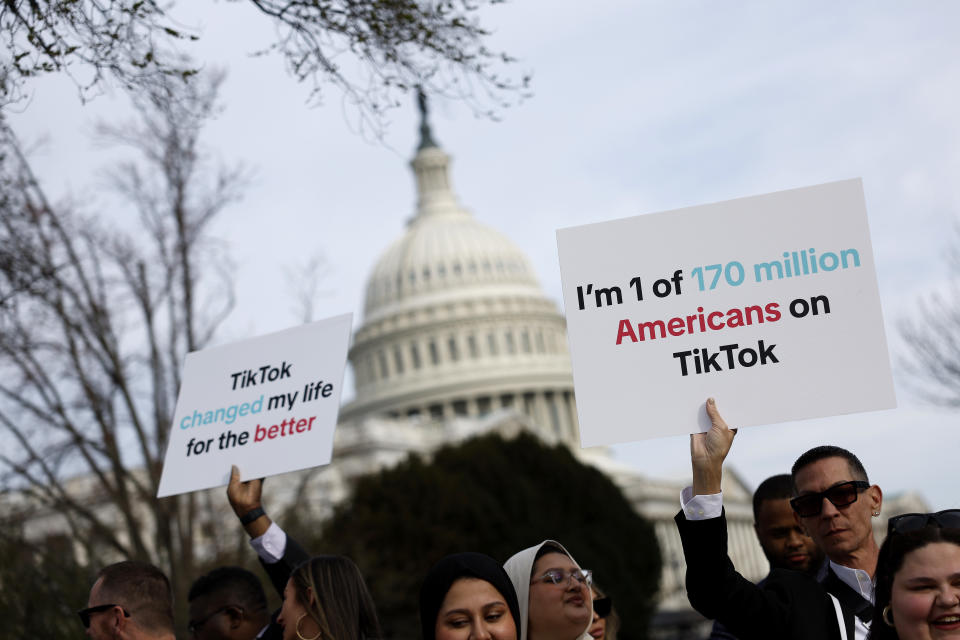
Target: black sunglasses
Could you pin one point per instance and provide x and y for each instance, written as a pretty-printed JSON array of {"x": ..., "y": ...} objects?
[
  {"x": 86, "y": 613},
  {"x": 946, "y": 519},
  {"x": 839, "y": 495},
  {"x": 602, "y": 606}
]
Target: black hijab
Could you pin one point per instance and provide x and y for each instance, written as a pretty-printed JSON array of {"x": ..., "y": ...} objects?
[{"x": 450, "y": 569}]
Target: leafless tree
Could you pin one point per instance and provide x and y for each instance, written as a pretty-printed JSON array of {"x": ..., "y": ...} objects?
[
  {"x": 303, "y": 283},
  {"x": 373, "y": 50},
  {"x": 932, "y": 336},
  {"x": 94, "y": 325}
]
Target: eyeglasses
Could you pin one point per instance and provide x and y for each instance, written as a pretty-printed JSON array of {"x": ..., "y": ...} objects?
[
  {"x": 560, "y": 576},
  {"x": 194, "y": 627},
  {"x": 839, "y": 495},
  {"x": 89, "y": 611},
  {"x": 602, "y": 606},
  {"x": 949, "y": 518}
]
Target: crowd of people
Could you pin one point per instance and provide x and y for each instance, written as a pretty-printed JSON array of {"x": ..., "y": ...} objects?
[{"x": 828, "y": 579}]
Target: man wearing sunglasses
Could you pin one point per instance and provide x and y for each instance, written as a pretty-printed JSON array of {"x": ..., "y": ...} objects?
[
  {"x": 834, "y": 503},
  {"x": 129, "y": 601}
]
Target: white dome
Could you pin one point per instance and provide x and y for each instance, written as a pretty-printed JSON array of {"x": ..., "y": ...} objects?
[
  {"x": 455, "y": 323},
  {"x": 444, "y": 253}
]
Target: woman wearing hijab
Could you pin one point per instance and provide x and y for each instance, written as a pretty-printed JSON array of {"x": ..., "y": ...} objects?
[
  {"x": 554, "y": 593},
  {"x": 468, "y": 595}
]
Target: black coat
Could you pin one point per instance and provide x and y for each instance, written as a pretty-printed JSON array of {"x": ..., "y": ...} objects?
[
  {"x": 279, "y": 572},
  {"x": 788, "y": 605}
]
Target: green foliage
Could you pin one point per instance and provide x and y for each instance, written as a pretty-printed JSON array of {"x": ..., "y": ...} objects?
[
  {"x": 41, "y": 589},
  {"x": 495, "y": 496}
]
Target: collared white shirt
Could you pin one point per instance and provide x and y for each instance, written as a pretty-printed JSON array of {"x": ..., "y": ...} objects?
[
  {"x": 861, "y": 582},
  {"x": 702, "y": 507},
  {"x": 271, "y": 545}
]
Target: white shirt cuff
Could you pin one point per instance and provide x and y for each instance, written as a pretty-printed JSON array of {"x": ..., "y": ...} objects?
[
  {"x": 271, "y": 545},
  {"x": 701, "y": 507}
]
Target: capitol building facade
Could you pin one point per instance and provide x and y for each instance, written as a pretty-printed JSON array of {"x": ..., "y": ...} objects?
[{"x": 458, "y": 339}]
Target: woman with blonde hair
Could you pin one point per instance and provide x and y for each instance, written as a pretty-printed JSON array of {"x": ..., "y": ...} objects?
[
  {"x": 327, "y": 599},
  {"x": 606, "y": 622}
]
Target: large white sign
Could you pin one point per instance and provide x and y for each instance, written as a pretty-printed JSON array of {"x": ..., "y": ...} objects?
[
  {"x": 268, "y": 405},
  {"x": 768, "y": 303}
]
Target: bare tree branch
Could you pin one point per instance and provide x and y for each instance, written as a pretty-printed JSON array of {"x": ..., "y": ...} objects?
[
  {"x": 932, "y": 335},
  {"x": 94, "y": 325},
  {"x": 373, "y": 51}
]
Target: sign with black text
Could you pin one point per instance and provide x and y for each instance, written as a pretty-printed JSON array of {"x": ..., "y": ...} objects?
[
  {"x": 268, "y": 404},
  {"x": 768, "y": 303}
]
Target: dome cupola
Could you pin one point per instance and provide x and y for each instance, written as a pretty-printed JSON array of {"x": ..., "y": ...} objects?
[{"x": 455, "y": 322}]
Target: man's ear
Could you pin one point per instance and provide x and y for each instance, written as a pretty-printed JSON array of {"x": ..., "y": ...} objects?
[
  {"x": 876, "y": 497},
  {"x": 120, "y": 620},
  {"x": 235, "y": 616}
]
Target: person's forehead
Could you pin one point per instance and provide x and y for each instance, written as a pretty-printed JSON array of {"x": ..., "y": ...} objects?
[
  {"x": 937, "y": 559},
  {"x": 775, "y": 512},
  {"x": 553, "y": 560},
  {"x": 823, "y": 474},
  {"x": 472, "y": 589}
]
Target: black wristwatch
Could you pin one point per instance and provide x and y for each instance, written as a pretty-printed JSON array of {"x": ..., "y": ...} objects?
[{"x": 252, "y": 515}]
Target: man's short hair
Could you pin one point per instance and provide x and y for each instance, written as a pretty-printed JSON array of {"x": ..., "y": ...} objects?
[
  {"x": 242, "y": 587},
  {"x": 778, "y": 487},
  {"x": 143, "y": 590},
  {"x": 829, "y": 451}
]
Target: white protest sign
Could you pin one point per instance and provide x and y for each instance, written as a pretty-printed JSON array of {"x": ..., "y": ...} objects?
[
  {"x": 768, "y": 303},
  {"x": 268, "y": 405}
]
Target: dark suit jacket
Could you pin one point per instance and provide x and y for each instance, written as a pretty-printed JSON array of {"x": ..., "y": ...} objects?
[
  {"x": 789, "y": 604},
  {"x": 279, "y": 572}
]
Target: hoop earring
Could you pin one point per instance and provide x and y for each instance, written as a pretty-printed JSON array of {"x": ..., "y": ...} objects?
[
  {"x": 299, "y": 634},
  {"x": 887, "y": 617}
]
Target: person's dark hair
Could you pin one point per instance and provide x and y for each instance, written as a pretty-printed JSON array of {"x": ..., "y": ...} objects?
[
  {"x": 829, "y": 451},
  {"x": 143, "y": 590},
  {"x": 342, "y": 606},
  {"x": 892, "y": 553},
  {"x": 776, "y": 487},
  {"x": 236, "y": 584},
  {"x": 456, "y": 567}
]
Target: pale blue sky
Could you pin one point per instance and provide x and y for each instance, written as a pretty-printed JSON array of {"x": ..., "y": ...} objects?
[{"x": 637, "y": 107}]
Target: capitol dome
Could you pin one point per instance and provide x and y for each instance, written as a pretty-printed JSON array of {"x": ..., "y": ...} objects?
[
  {"x": 455, "y": 322},
  {"x": 444, "y": 253}
]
